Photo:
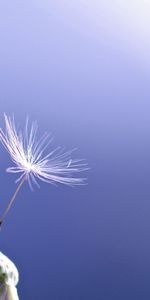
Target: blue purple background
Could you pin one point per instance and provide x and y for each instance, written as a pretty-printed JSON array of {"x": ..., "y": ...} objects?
[{"x": 81, "y": 69}]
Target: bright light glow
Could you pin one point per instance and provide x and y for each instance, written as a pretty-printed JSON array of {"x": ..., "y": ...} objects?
[{"x": 124, "y": 22}]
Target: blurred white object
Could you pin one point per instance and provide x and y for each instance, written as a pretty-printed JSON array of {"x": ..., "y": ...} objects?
[{"x": 9, "y": 278}]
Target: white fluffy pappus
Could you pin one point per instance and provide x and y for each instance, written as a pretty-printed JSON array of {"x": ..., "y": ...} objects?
[
  {"x": 27, "y": 153},
  {"x": 9, "y": 278}
]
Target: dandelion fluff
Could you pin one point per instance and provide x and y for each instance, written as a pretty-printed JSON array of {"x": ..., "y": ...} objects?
[
  {"x": 9, "y": 278},
  {"x": 31, "y": 162},
  {"x": 28, "y": 156}
]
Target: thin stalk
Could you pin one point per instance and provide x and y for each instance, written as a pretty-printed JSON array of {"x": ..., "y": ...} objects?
[{"x": 12, "y": 200}]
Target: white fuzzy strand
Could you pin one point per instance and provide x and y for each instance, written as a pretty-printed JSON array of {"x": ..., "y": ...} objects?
[{"x": 27, "y": 153}]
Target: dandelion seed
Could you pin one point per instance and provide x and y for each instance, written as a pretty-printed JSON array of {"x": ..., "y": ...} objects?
[{"x": 32, "y": 164}]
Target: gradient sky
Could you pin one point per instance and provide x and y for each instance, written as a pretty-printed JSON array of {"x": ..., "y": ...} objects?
[{"x": 81, "y": 69}]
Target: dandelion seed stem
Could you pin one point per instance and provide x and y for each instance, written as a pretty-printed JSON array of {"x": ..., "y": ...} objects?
[{"x": 12, "y": 200}]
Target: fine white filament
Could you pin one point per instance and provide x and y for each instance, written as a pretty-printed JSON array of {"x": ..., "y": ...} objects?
[{"x": 27, "y": 153}]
